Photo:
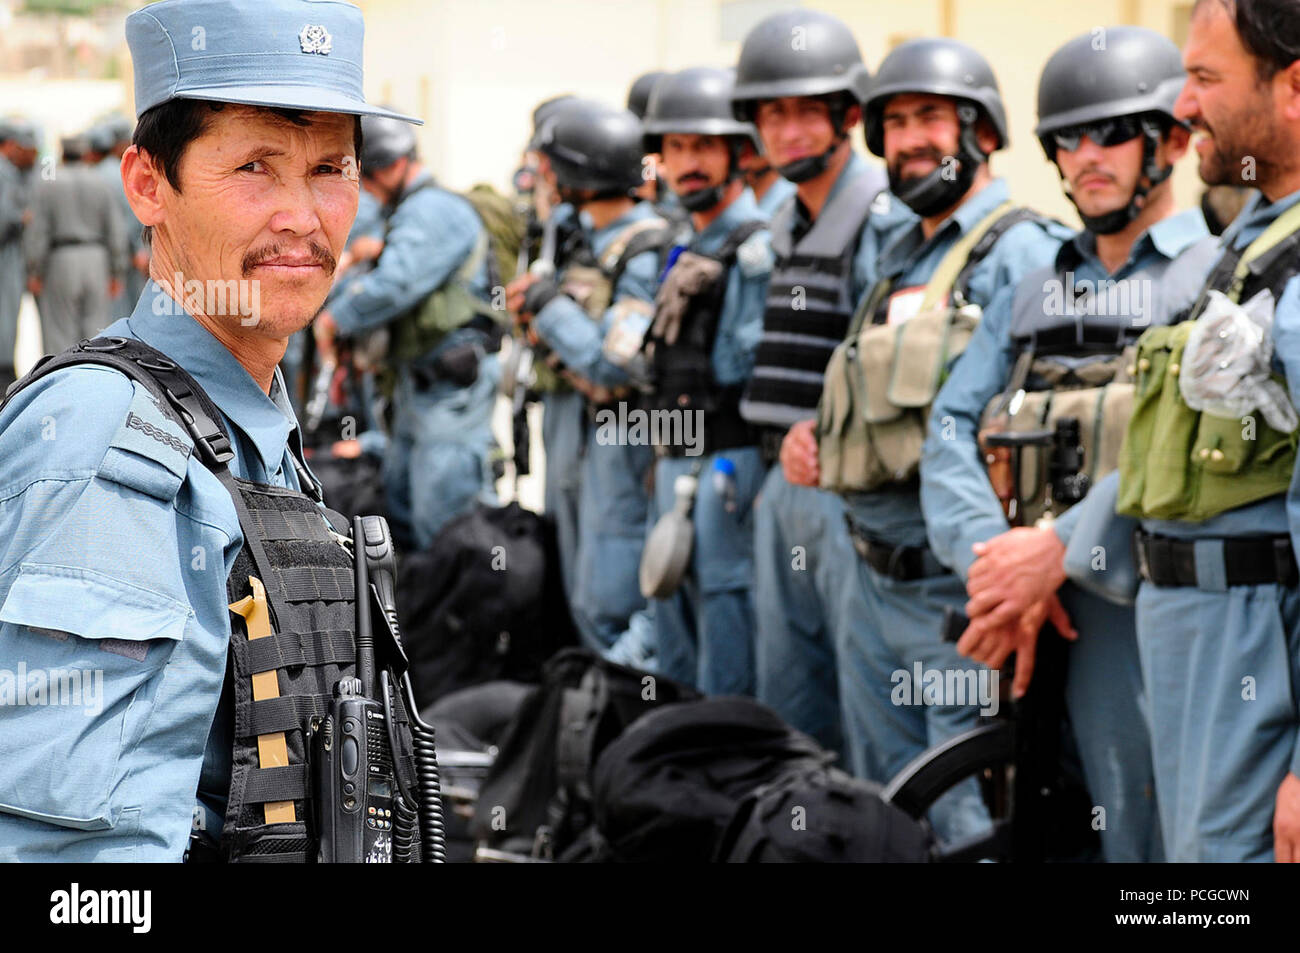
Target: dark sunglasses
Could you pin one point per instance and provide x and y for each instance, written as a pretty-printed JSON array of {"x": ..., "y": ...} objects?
[{"x": 1104, "y": 132}]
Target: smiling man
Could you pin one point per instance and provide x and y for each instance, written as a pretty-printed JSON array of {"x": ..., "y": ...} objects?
[
  {"x": 121, "y": 524},
  {"x": 1218, "y": 608}
]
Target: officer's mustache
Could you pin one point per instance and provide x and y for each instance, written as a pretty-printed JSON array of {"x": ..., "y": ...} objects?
[
  {"x": 692, "y": 177},
  {"x": 318, "y": 254},
  {"x": 896, "y": 167},
  {"x": 1092, "y": 170}
]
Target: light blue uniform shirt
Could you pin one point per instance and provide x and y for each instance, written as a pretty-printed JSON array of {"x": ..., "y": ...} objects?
[
  {"x": 115, "y": 546},
  {"x": 571, "y": 333},
  {"x": 740, "y": 324},
  {"x": 775, "y": 196},
  {"x": 958, "y": 501},
  {"x": 430, "y": 234},
  {"x": 892, "y": 514}
]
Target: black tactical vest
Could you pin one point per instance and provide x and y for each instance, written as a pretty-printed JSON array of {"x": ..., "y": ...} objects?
[
  {"x": 302, "y": 554},
  {"x": 1054, "y": 315},
  {"x": 809, "y": 304},
  {"x": 682, "y": 373}
]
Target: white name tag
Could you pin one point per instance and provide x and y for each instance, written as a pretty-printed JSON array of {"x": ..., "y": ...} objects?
[{"x": 904, "y": 304}]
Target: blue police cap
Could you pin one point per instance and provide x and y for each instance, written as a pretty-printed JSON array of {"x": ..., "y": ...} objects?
[{"x": 295, "y": 54}]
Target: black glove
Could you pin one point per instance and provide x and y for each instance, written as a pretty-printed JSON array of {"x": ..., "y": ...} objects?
[{"x": 539, "y": 295}]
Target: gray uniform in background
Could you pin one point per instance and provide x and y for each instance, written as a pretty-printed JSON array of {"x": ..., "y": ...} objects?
[
  {"x": 75, "y": 244},
  {"x": 13, "y": 201}
]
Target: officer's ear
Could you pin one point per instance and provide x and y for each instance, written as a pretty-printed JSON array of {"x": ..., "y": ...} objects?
[
  {"x": 986, "y": 135},
  {"x": 852, "y": 116},
  {"x": 1287, "y": 86},
  {"x": 1174, "y": 145},
  {"x": 145, "y": 186}
]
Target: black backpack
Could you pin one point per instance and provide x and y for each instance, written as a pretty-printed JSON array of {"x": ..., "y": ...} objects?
[
  {"x": 484, "y": 602},
  {"x": 822, "y": 816},
  {"x": 666, "y": 789},
  {"x": 536, "y": 798}
]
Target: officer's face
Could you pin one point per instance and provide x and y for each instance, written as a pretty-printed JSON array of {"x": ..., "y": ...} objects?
[
  {"x": 1237, "y": 118},
  {"x": 264, "y": 201},
  {"x": 1101, "y": 179},
  {"x": 693, "y": 162},
  {"x": 920, "y": 132},
  {"x": 795, "y": 127}
]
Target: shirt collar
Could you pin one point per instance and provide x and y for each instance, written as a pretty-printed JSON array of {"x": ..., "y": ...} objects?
[
  {"x": 743, "y": 209},
  {"x": 852, "y": 169},
  {"x": 266, "y": 421},
  {"x": 912, "y": 243},
  {"x": 1256, "y": 216},
  {"x": 1168, "y": 237},
  {"x": 601, "y": 237}
]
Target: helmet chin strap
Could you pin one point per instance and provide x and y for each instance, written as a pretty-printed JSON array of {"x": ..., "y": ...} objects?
[
  {"x": 702, "y": 200},
  {"x": 1108, "y": 223},
  {"x": 940, "y": 190},
  {"x": 809, "y": 167}
]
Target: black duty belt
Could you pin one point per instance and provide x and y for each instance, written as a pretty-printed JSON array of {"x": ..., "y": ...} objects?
[
  {"x": 900, "y": 563},
  {"x": 1246, "y": 560},
  {"x": 769, "y": 443}
]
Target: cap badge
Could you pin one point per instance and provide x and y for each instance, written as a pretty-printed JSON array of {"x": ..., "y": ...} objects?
[{"x": 315, "y": 39}]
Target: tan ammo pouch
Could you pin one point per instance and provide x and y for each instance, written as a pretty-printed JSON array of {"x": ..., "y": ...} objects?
[
  {"x": 1102, "y": 411},
  {"x": 881, "y": 381}
]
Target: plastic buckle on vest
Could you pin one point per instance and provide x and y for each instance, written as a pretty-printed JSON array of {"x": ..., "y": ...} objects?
[{"x": 102, "y": 344}]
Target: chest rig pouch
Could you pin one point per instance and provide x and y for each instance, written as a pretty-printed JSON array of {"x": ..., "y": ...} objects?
[
  {"x": 679, "y": 346},
  {"x": 882, "y": 378},
  {"x": 1178, "y": 463},
  {"x": 591, "y": 282},
  {"x": 293, "y": 628},
  {"x": 1072, "y": 387}
]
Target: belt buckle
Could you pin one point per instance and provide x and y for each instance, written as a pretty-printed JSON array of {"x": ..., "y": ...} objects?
[
  {"x": 894, "y": 568},
  {"x": 1140, "y": 555}
]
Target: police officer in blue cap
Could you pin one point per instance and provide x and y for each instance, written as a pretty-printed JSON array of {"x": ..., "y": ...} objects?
[
  {"x": 429, "y": 291},
  {"x": 124, "y": 518},
  {"x": 1105, "y": 118}
]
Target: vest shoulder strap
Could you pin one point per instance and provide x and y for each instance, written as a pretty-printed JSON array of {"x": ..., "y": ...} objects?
[
  {"x": 651, "y": 234},
  {"x": 1282, "y": 228},
  {"x": 960, "y": 260},
  {"x": 839, "y": 225},
  {"x": 737, "y": 237},
  {"x": 177, "y": 392}
]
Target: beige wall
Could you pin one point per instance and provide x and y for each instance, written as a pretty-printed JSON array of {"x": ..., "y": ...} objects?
[{"x": 474, "y": 69}]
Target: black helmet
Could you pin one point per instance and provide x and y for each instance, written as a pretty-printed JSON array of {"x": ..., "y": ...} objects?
[
  {"x": 697, "y": 101},
  {"x": 801, "y": 53},
  {"x": 545, "y": 110},
  {"x": 1132, "y": 72},
  {"x": 383, "y": 141},
  {"x": 940, "y": 67},
  {"x": 638, "y": 97},
  {"x": 595, "y": 147}
]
